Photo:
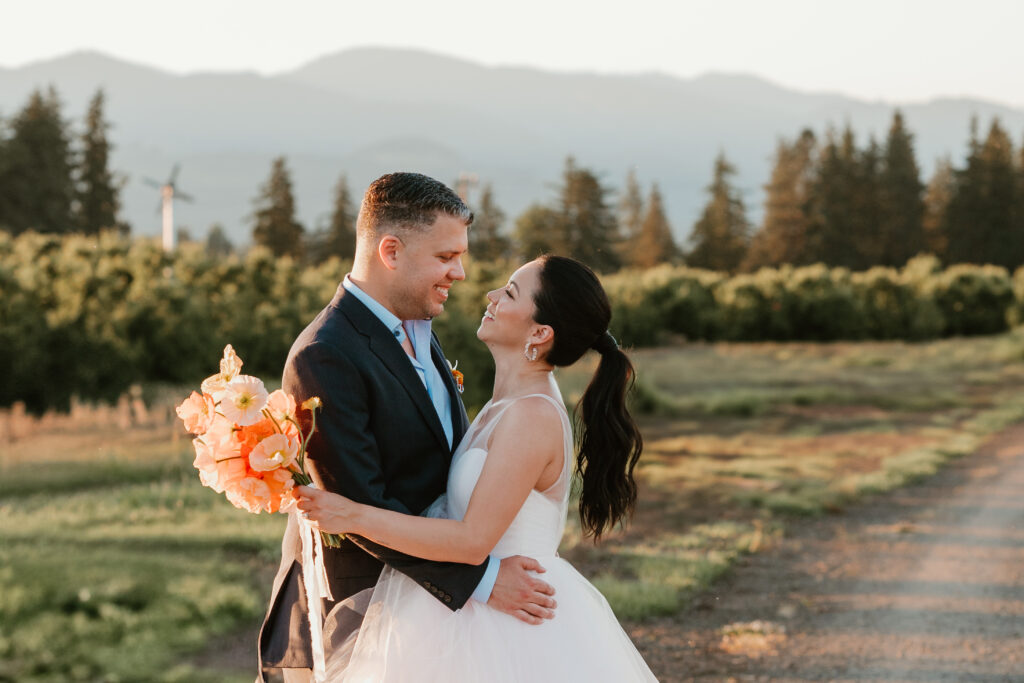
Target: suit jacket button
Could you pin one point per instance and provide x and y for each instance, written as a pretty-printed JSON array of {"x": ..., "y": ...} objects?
[
  {"x": 427, "y": 584},
  {"x": 447, "y": 598}
]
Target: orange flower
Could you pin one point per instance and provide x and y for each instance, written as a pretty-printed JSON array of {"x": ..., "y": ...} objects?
[
  {"x": 456, "y": 375},
  {"x": 197, "y": 412},
  {"x": 280, "y": 483},
  {"x": 249, "y": 436}
]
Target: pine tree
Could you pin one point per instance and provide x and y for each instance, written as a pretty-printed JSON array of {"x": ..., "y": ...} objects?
[
  {"x": 631, "y": 215},
  {"x": 536, "y": 231},
  {"x": 721, "y": 235},
  {"x": 486, "y": 240},
  {"x": 654, "y": 244},
  {"x": 901, "y": 204},
  {"x": 36, "y": 187},
  {"x": 588, "y": 230},
  {"x": 96, "y": 193},
  {"x": 842, "y": 203},
  {"x": 980, "y": 220},
  {"x": 783, "y": 234},
  {"x": 274, "y": 220},
  {"x": 218, "y": 245},
  {"x": 339, "y": 238},
  {"x": 936, "y": 201}
]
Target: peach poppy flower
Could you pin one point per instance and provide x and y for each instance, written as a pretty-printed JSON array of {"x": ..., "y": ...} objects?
[
  {"x": 274, "y": 452},
  {"x": 230, "y": 366},
  {"x": 280, "y": 483},
  {"x": 197, "y": 412},
  {"x": 281, "y": 407},
  {"x": 250, "y": 494},
  {"x": 244, "y": 399}
]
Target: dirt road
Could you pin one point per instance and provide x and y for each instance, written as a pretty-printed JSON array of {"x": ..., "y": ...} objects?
[{"x": 923, "y": 584}]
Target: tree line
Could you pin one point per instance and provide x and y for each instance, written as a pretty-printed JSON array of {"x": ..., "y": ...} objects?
[{"x": 829, "y": 199}]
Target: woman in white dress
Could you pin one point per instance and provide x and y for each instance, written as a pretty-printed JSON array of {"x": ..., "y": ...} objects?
[{"x": 508, "y": 491}]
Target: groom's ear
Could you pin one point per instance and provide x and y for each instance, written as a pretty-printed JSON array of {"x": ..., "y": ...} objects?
[{"x": 388, "y": 250}]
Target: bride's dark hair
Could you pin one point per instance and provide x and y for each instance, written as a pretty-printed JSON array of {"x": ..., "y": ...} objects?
[{"x": 572, "y": 301}]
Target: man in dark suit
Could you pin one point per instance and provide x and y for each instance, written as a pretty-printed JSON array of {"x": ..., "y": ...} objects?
[{"x": 391, "y": 417}]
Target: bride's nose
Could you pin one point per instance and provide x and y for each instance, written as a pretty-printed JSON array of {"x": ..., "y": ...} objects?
[{"x": 492, "y": 296}]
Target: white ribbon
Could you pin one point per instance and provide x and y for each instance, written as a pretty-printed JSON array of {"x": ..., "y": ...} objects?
[{"x": 314, "y": 577}]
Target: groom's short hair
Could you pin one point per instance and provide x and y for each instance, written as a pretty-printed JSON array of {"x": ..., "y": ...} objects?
[{"x": 400, "y": 203}]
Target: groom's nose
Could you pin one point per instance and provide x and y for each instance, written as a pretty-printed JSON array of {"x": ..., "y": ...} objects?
[{"x": 457, "y": 272}]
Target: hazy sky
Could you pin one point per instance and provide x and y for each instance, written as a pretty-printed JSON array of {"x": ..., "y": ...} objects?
[{"x": 895, "y": 50}]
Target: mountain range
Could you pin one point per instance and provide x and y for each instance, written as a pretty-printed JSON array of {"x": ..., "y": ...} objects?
[{"x": 364, "y": 112}]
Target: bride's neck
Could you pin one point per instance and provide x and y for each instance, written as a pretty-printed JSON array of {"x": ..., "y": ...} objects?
[{"x": 517, "y": 376}]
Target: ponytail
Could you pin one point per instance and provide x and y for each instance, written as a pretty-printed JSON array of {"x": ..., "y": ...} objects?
[
  {"x": 610, "y": 444},
  {"x": 571, "y": 300}
]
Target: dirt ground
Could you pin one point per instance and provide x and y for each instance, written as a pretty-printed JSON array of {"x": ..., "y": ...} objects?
[{"x": 922, "y": 584}]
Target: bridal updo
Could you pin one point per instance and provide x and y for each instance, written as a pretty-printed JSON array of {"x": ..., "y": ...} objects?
[{"x": 572, "y": 301}]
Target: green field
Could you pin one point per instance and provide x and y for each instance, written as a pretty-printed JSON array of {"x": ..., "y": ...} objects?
[{"x": 116, "y": 565}]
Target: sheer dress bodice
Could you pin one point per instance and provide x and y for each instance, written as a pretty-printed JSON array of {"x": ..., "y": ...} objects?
[{"x": 537, "y": 529}]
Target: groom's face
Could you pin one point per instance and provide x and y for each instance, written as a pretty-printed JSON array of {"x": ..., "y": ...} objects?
[{"x": 430, "y": 262}]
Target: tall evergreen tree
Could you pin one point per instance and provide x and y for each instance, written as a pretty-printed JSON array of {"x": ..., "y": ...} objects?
[
  {"x": 588, "y": 229},
  {"x": 654, "y": 244},
  {"x": 217, "y": 243},
  {"x": 486, "y": 240},
  {"x": 901, "y": 203},
  {"x": 96, "y": 193},
  {"x": 537, "y": 230},
  {"x": 980, "y": 221},
  {"x": 631, "y": 214},
  {"x": 721, "y": 236},
  {"x": 936, "y": 201},
  {"x": 274, "y": 223},
  {"x": 783, "y": 234},
  {"x": 339, "y": 239},
  {"x": 842, "y": 204},
  {"x": 36, "y": 187}
]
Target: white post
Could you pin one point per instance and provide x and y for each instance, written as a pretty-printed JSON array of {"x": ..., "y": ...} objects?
[{"x": 167, "y": 192}]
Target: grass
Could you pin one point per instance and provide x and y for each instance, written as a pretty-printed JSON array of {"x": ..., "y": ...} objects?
[
  {"x": 757, "y": 434},
  {"x": 116, "y": 565}
]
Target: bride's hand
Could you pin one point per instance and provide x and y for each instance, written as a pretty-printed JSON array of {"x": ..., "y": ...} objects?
[{"x": 327, "y": 511}]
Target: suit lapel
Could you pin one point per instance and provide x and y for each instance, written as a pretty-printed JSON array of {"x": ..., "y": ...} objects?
[
  {"x": 460, "y": 421},
  {"x": 384, "y": 345}
]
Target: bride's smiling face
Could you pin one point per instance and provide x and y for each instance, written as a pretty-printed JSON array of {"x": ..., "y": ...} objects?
[{"x": 508, "y": 319}]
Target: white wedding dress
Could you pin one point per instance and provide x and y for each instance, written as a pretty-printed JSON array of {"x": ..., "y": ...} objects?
[{"x": 408, "y": 635}]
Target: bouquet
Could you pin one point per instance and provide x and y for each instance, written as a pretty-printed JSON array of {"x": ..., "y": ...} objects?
[{"x": 249, "y": 444}]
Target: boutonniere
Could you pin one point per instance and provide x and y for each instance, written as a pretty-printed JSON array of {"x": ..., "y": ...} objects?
[{"x": 456, "y": 375}]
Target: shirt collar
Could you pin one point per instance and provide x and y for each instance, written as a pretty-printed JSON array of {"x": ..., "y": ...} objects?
[{"x": 390, "y": 320}]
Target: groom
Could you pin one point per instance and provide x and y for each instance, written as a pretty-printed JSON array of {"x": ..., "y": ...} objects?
[{"x": 391, "y": 418}]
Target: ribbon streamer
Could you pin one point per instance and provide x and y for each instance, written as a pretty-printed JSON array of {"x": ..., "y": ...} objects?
[{"x": 314, "y": 578}]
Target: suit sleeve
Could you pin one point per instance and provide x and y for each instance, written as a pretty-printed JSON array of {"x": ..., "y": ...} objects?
[{"x": 344, "y": 458}]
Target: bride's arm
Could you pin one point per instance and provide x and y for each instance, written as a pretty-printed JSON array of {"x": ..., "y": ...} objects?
[{"x": 525, "y": 443}]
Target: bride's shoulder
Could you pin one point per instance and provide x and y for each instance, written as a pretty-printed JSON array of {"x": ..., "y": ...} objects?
[{"x": 529, "y": 417}]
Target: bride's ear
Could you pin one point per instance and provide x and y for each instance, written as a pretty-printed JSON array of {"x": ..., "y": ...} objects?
[{"x": 541, "y": 334}]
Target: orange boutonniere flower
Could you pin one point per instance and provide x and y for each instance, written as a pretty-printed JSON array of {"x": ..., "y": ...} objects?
[{"x": 457, "y": 376}]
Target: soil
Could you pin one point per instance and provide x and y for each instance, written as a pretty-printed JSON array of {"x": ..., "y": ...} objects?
[{"x": 922, "y": 584}]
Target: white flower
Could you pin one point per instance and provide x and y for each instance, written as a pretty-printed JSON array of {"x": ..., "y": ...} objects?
[
  {"x": 275, "y": 451},
  {"x": 243, "y": 400}
]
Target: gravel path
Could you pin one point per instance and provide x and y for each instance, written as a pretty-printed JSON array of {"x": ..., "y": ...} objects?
[{"x": 923, "y": 584}]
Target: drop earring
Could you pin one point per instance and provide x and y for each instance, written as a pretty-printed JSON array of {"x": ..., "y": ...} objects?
[{"x": 530, "y": 352}]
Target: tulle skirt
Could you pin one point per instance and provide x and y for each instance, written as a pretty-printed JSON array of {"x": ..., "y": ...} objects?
[{"x": 408, "y": 635}]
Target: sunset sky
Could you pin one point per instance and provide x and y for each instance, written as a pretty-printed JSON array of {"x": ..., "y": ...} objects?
[{"x": 895, "y": 50}]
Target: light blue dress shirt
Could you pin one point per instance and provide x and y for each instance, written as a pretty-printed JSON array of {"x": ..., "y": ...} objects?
[{"x": 418, "y": 333}]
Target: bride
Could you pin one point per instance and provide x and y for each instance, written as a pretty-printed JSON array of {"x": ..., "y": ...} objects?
[{"x": 508, "y": 491}]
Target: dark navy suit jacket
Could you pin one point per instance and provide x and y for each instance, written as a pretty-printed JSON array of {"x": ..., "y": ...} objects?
[{"x": 378, "y": 441}]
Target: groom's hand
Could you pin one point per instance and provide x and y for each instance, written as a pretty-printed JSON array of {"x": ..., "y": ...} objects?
[{"x": 520, "y": 594}]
